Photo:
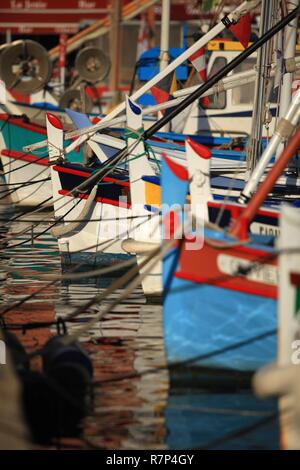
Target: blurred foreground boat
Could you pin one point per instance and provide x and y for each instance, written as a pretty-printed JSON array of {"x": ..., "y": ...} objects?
[{"x": 282, "y": 379}]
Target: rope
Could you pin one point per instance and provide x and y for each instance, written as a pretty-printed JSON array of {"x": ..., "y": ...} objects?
[
  {"x": 23, "y": 166},
  {"x": 107, "y": 243},
  {"x": 131, "y": 217},
  {"x": 149, "y": 150},
  {"x": 90, "y": 180},
  {"x": 241, "y": 432},
  {"x": 38, "y": 207},
  {"x": 130, "y": 133},
  {"x": 44, "y": 231},
  {"x": 23, "y": 183},
  {"x": 8, "y": 192}
]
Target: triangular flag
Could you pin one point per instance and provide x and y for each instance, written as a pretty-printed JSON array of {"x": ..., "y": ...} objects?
[
  {"x": 173, "y": 87},
  {"x": 242, "y": 29},
  {"x": 198, "y": 59},
  {"x": 162, "y": 91}
]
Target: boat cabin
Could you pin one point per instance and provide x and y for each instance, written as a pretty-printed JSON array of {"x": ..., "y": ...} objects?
[{"x": 230, "y": 111}]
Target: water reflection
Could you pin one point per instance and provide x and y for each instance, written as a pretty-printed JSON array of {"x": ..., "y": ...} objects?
[
  {"x": 133, "y": 408},
  {"x": 201, "y": 420}
]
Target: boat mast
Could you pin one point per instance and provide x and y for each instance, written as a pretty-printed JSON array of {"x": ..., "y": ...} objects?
[
  {"x": 290, "y": 37},
  {"x": 164, "y": 43},
  {"x": 263, "y": 76},
  {"x": 283, "y": 131},
  {"x": 115, "y": 44},
  {"x": 165, "y": 34}
]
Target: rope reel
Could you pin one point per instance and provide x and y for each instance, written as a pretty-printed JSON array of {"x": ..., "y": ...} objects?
[
  {"x": 72, "y": 99},
  {"x": 24, "y": 66},
  {"x": 56, "y": 398},
  {"x": 92, "y": 64}
]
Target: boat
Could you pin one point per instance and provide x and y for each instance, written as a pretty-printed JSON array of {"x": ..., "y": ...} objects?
[
  {"x": 26, "y": 175},
  {"x": 77, "y": 177},
  {"x": 220, "y": 298}
]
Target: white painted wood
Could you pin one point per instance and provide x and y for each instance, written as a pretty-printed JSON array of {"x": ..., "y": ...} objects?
[{"x": 199, "y": 173}]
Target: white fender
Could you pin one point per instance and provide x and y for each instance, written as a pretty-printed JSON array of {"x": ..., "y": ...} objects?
[
  {"x": 198, "y": 161},
  {"x": 139, "y": 248},
  {"x": 289, "y": 323},
  {"x": 283, "y": 380}
]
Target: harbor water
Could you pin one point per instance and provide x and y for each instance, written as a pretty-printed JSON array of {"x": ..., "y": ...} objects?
[{"x": 136, "y": 402}]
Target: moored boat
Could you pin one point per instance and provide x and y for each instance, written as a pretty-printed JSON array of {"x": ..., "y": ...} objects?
[{"x": 220, "y": 298}]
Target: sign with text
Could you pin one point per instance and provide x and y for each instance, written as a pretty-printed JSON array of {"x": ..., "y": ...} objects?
[
  {"x": 49, "y": 16},
  {"x": 57, "y": 16}
]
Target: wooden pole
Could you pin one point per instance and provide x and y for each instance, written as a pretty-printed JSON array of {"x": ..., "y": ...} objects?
[
  {"x": 62, "y": 60},
  {"x": 164, "y": 45},
  {"x": 115, "y": 44}
]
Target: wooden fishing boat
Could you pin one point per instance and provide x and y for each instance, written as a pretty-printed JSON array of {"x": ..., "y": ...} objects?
[
  {"x": 101, "y": 212},
  {"x": 74, "y": 237},
  {"x": 24, "y": 181},
  {"x": 27, "y": 175},
  {"x": 220, "y": 298},
  {"x": 105, "y": 215},
  {"x": 148, "y": 193}
]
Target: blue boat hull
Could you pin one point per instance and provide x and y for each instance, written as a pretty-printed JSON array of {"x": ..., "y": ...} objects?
[
  {"x": 209, "y": 326},
  {"x": 197, "y": 419}
]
